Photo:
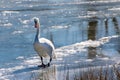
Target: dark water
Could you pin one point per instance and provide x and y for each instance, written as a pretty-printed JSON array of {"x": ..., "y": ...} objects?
[{"x": 64, "y": 22}]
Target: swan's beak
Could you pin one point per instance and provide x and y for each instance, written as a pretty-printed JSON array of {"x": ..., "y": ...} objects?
[
  {"x": 36, "y": 25},
  {"x": 36, "y": 21}
]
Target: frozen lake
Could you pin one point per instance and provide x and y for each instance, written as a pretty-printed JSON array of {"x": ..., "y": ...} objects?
[{"x": 84, "y": 32}]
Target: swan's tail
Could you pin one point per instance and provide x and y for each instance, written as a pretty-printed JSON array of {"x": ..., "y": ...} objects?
[{"x": 54, "y": 56}]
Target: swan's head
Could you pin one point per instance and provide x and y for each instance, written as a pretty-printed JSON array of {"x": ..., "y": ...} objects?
[{"x": 37, "y": 23}]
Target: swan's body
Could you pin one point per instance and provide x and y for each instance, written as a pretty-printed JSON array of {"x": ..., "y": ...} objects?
[{"x": 42, "y": 46}]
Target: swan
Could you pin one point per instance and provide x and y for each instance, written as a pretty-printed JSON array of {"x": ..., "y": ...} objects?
[{"x": 43, "y": 46}]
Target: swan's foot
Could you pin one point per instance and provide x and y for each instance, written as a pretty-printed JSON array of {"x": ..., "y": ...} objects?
[
  {"x": 42, "y": 65},
  {"x": 48, "y": 65}
]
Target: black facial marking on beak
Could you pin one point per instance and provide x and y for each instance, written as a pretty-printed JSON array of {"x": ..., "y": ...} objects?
[{"x": 35, "y": 21}]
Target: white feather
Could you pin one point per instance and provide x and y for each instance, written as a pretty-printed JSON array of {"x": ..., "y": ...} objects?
[{"x": 43, "y": 46}]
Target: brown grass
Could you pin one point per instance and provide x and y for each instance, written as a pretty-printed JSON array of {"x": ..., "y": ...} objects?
[
  {"x": 117, "y": 72},
  {"x": 101, "y": 74}
]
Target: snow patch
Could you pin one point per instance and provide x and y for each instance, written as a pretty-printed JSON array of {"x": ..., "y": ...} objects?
[
  {"x": 59, "y": 27},
  {"x": 20, "y": 57},
  {"x": 17, "y": 32},
  {"x": 9, "y": 12},
  {"x": 8, "y": 24},
  {"x": 79, "y": 47},
  {"x": 24, "y": 21}
]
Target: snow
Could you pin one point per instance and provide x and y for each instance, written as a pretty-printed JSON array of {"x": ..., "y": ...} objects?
[
  {"x": 8, "y": 24},
  {"x": 64, "y": 22},
  {"x": 73, "y": 57},
  {"x": 59, "y": 27},
  {"x": 17, "y": 32},
  {"x": 20, "y": 57},
  {"x": 25, "y": 22}
]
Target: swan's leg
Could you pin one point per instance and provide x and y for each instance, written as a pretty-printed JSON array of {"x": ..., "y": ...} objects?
[
  {"x": 43, "y": 65},
  {"x": 42, "y": 60},
  {"x": 50, "y": 61}
]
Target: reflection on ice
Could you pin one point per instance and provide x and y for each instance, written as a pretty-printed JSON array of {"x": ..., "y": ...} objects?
[
  {"x": 92, "y": 30},
  {"x": 36, "y": 73},
  {"x": 86, "y": 30},
  {"x": 49, "y": 73},
  {"x": 92, "y": 52}
]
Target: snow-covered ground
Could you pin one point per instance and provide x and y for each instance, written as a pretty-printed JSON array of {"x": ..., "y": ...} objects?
[{"x": 70, "y": 60}]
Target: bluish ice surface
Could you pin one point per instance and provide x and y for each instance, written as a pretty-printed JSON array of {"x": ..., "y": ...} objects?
[{"x": 64, "y": 22}]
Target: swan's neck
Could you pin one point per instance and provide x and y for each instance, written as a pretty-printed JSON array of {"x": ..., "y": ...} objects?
[{"x": 37, "y": 35}]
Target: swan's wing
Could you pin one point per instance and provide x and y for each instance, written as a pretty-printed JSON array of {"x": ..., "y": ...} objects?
[
  {"x": 47, "y": 42},
  {"x": 48, "y": 45}
]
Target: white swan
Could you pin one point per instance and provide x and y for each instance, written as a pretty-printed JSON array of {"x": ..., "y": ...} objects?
[{"x": 42, "y": 46}]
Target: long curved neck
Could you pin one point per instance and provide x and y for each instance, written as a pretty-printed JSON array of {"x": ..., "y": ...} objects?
[{"x": 37, "y": 35}]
